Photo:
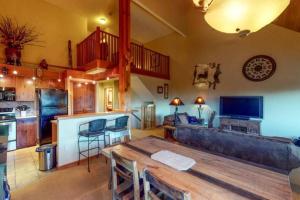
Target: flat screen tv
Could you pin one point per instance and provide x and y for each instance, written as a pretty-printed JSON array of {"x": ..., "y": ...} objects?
[{"x": 242, "y": 107}]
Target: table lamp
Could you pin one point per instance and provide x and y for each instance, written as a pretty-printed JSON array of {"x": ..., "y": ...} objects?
[
  {"x": 176, "y": 102},
  {"x": 199, "y": 101}
]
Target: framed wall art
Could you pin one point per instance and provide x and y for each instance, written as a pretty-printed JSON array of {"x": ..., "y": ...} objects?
[
  {"x": 166, "y": 91},
  {"x": 160, "y": 89}
]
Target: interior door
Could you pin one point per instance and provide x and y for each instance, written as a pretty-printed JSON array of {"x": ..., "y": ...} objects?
[{"x": 108, "y": 99}]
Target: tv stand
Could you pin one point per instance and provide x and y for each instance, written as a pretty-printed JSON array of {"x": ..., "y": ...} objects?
[{"x": 251, "y": 127}]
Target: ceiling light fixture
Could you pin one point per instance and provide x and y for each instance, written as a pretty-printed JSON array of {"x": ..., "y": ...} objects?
[
  {"x": 15, "y": 72},
  {"x": 240, "y": 16},
  {"x": 102, "y": 21},
  {"x": 59, "y": 80}
]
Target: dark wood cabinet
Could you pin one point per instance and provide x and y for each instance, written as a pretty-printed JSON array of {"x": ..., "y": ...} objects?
[
  {"x": 51, "y": 84},
  {"x": 26, "y": 132},
  {"x": 83, "y": 98}
]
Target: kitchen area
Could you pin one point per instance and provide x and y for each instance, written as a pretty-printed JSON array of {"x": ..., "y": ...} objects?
[{"x": 39, "y": 107}]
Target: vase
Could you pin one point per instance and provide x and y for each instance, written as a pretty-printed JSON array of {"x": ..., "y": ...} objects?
[
  {"x": 23, "y": 113},
  {"x": 13, "y": 56}
]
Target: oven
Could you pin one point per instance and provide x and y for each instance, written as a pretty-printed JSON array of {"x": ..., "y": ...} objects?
[
  {"x": 8, "y": 118},
  {"x": 12, "y": 133}
]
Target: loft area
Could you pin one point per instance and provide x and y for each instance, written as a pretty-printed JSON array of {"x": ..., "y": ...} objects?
[{"x": 101, "y": 50}]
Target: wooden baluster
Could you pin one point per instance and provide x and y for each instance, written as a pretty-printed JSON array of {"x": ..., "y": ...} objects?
[{"x": 97, "y": 43}]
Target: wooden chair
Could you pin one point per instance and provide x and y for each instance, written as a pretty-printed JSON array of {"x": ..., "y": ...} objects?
[
  {"x": 156, "y": 188},
  {"x": 125, "y": 178}
]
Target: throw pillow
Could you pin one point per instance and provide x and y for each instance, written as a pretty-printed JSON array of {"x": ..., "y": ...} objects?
[{"x": 183, "y": 119}]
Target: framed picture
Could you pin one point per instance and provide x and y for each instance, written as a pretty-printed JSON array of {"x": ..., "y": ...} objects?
[
  {"x": 160, "y": 89},
  {"x": 207, "y": 75},
  {"x": 166, "y": 91}
]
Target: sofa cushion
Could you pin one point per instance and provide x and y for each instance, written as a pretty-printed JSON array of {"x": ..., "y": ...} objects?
[
  {"x": 183, "y": 119},
  {"x": 261, "y": 150}
]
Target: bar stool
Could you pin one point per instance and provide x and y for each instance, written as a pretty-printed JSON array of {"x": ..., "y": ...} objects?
[
  {"x": 119, "y": 127},
  {"x": 95, "y": 129}
]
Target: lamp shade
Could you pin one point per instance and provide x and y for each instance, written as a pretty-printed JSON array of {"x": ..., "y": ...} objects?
[
  {"x": 199, "y": 101},
  {"x": 176, "y": 102},
  {"x": 234, "y": 16}
]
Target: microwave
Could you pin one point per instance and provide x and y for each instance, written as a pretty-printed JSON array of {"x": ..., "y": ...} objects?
[{"x": 7, "y": 94}]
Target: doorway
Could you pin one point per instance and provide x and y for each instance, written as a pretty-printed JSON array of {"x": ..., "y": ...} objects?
[{"x": 108, "y": 99}]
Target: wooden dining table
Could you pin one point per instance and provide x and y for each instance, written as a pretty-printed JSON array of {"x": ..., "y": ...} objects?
[{"x": 213, "y": 177}]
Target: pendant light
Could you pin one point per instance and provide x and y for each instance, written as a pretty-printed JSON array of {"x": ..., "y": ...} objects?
[{"x": 241, "y": 16}]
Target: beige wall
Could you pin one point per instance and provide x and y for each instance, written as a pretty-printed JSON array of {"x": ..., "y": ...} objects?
[
  {"x": 203, "y": 45},
  {"x": 56, "y": 26},
  {"x": 144, "y": 89}
]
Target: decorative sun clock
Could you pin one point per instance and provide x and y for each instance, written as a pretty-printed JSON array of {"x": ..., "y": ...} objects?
[{"x": 259, "y": 68}]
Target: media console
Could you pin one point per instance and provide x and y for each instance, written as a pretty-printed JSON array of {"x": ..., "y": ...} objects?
[{"x": 251, "y": 127}]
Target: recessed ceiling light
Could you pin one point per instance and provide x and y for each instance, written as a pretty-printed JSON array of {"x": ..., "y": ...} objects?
[
  {"x": 29, "y": 82},
  {"x": 102, "y": 21},
  {"x": 15, "y": 72},
  {"x": 59, "y": 80}
]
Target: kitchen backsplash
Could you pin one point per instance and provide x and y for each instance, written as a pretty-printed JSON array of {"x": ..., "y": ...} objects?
[{"x": 14, "y": 104}]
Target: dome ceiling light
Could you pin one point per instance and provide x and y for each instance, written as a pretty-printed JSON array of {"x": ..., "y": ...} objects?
[{"x": 240, "y": 16}]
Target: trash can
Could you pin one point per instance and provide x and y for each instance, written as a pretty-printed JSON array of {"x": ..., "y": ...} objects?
[{"x": 47, "y": 156}]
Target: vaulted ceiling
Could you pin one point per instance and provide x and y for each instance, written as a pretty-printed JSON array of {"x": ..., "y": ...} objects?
[
  {"x": 152, "y": 19},
  {"x": 145, "y": 25}
]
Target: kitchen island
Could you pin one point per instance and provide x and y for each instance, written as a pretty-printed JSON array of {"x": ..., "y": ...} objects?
[{"x": 67, "y": 134}]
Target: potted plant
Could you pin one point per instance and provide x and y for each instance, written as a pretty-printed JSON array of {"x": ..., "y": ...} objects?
[
  {"x": 15, "y": 37},
  {"x": 23, "y": 109}
]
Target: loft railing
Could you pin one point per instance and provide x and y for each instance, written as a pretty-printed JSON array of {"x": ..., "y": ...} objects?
[
  {"x": 104, "y": 46},
  {"x": 99, "y": 45}
]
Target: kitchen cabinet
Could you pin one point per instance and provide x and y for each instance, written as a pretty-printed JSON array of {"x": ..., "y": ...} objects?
[
  {"x": 51, "y": 84},
  {"x": 25, "y": 89},
  {"x": 83, "y": 98},
  {"x": 26, "y": 132},
  {"x": 8, "y": 81}
]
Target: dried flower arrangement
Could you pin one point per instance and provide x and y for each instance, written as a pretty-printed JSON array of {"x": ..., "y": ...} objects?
[{"x": 14, "y": 37}]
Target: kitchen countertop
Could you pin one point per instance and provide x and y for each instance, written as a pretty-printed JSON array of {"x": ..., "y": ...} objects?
[
  {"x": 26, "y": 117},
  {"x": 74, "y": 116}
]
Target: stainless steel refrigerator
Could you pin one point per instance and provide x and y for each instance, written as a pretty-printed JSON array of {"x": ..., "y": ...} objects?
[{"x": 52, "y": 102}]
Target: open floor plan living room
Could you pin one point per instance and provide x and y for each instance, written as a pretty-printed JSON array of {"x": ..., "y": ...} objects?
[{"x": 149, "y": 99}]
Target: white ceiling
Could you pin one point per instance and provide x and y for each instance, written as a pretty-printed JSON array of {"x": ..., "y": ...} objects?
[{"x": 144, "y": 27}]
